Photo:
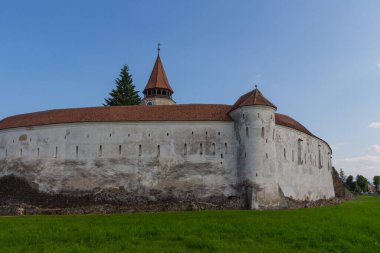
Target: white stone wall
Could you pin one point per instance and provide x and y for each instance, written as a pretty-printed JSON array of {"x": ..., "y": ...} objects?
[
  {"x": 137, "y": 156},
  {"x": 150, "y": 159},
  {"x": 257, "y": 155},
  {"x": 308, "y": 178}
]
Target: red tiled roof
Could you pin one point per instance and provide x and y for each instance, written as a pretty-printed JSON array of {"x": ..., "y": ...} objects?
[
  {"x": 189, "y": 112},
  {"x": 158, "y": 77},
  {"x": 287, "y": 121},
  {"x": 252, "y": 98}
]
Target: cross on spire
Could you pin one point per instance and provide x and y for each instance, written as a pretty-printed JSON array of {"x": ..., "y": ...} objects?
[
  {"x": 158, "y": 48},
  {"x": 256, "y": 86}
]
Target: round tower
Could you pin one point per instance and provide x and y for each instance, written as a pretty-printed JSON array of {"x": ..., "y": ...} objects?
[
  {"x": 158, "y": 90},
  {"x": 254, "y": 118}
]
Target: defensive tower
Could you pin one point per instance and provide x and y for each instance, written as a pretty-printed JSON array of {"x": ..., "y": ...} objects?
[{"x": 254, "y": 118}]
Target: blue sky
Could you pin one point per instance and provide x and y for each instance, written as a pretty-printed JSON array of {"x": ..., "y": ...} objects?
[{"x": 318, "y": 61}]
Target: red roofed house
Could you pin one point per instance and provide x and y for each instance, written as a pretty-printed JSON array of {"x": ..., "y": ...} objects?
[{"x": 160, "y": 152}]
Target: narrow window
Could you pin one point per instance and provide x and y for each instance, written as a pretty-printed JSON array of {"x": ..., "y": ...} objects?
[
  {"x": 206, "y": 133},
  {"x": 201, "y": 148},
  {"x": 158, "y": 150},
  {"x": 284, "y": 153},
  {"x": 305, "y": 158},
  {"x": 100, "y": 150},
  {"x": 319, "y": 157},
  {"x": 192, "y": 133},
  {"x": 218, "y": 133},
  {"x": 6, "y": 153},
  {"x": 243, "y": 116},
  {"x": 119, "y": 149},
  {"x": 140, "y": 150},
  {"x": 328, "y": 160},
  {"x": 267, "y": 155},
  {"x": 245, "y": 154},
  {"x": 213, "y": 149},
  {"x": 225, "y": 148},
  {"x": 20, "y": 152},
  {"x": 185, "y": 149},
  {"x": 38, "y": 152},
  {"x": 76, "y": 151},
  {"x": 292, "y": 155},
  {"x": 299, "y": 151},
  {"x": 262, "y": 132},
  {"x": 221, "y": 156},
  {"x": 56, "y": 152},
  {"x": 247, "y": 131},
  {"x": 258, "y": 115},
  {"x": 167, "y": 134},
  {"x": 110, "y": 134}
]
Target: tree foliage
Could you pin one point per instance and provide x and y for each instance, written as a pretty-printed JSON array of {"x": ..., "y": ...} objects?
[
  {"x": 360, "y": 185},
  {"x": 124, "y": 93},
  {"x": 362, "y": 182},
  {"x": 342, "y": 175},
  {"x": 350, "y": 183},
  {"x": 376, "y": 182}
]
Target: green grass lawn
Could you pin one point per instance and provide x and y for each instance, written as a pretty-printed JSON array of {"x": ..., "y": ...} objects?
[{"x": 351, "y": 227}]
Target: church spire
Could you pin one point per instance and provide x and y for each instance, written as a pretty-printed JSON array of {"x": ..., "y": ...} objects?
[{"x": 158, "y": 84}]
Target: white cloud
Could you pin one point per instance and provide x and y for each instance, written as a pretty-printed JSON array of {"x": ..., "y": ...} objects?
[
  {"x": 367, "y": 165},
  {"x": 363, "y": 159},
  {"x": 375, "y": 148},
  {"x": 374, "y": 125}
]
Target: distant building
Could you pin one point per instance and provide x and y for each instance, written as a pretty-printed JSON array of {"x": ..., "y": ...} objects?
[
  {"x": 161, "y": 151},
  {"x": 371, "y": 188}
]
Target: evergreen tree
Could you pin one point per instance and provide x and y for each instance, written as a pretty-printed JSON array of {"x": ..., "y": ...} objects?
[{"x": 124, "y": 93}]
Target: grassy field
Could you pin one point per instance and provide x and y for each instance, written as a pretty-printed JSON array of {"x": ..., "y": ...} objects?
[{"x": 351, "y": 227}]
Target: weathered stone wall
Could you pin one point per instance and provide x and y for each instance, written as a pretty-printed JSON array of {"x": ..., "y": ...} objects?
[
  {"x": 212, "y": 162},
  {"x": 153, "y": 160},
  {"x": 304, "y": 165},
  {"x": 257, "y": 155},
  {"x": 340, "y": 189}
]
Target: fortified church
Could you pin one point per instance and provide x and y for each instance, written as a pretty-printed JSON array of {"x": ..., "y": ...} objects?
[{"x": 240, "y": 155}]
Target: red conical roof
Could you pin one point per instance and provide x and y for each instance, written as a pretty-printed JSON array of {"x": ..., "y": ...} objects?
[
  {"x": 158, "y": 77},
  {"x": 252, "y": 98}
]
